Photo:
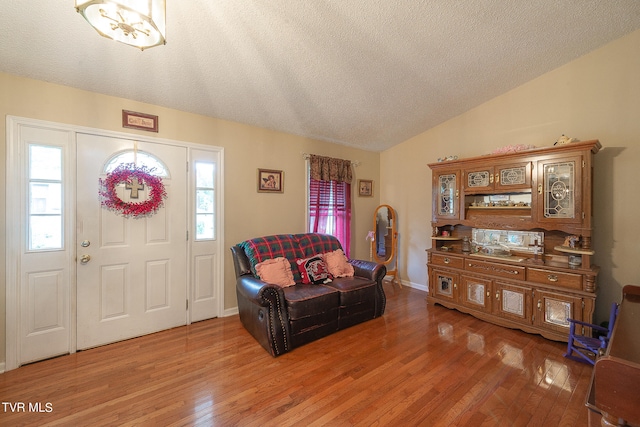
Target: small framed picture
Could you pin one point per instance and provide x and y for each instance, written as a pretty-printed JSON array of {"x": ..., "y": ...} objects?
[
  {"x": 270, "y": 181},
  {"x": 365, "y": 187},
  {"x": 141, "y": 121}
]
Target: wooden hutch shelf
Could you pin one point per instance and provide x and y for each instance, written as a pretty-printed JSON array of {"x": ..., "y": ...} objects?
[
  {"x": 525, "y": 205},
  {"x": 573, "y": 251}
]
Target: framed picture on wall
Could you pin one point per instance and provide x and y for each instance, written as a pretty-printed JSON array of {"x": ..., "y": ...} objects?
[
  {"x": 270, "y": 181},
  {"x": 365, "y": 188},
  {"x": 140, "y": 121}
]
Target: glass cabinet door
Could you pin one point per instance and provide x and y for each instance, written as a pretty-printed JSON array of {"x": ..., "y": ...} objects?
[
  {"x": 478, "y": 179},
  {"x": 447, "y": 194},
  {"x": 559, "y": 190},
  {"x": 445, "y": 284},
  {"x": 476, "y": 293},
  {"x": 512, "y": 302},
  {"x": 552, "y": 310},
  {"x": 515, "y": 176}
]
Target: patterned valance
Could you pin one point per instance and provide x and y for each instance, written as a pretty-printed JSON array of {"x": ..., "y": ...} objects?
[{"x": 330, "y": 169}]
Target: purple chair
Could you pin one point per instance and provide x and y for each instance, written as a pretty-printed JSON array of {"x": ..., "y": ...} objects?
[{"x": 584, "y": 348}]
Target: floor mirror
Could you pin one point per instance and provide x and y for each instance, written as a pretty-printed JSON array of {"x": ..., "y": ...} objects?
[{"x": 385, "y": 241}]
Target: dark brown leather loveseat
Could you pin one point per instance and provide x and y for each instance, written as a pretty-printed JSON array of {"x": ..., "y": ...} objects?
[{"x": 283, "y": 318}]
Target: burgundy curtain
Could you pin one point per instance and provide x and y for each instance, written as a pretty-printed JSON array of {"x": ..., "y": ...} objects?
[{"x": 330, "y": 198}]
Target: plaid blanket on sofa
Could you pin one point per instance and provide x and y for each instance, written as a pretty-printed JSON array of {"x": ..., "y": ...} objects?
[{"x": 289, "y": 246}]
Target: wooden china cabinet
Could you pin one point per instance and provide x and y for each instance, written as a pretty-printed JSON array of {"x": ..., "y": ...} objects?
[{"x": 511, "y": 237}]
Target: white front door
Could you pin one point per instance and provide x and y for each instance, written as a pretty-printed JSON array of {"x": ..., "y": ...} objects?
[
  {"x": 137, "y": 274},
  {"x": 131, "y": 271}
]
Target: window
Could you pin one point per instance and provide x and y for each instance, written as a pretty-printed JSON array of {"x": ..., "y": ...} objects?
[
  {"x": 45, "y": 198},
  {"x": 330, "y": 210},
  {"x": 139, "y": 158},
  {"x": 330, "y": 198},
  {"x": 205, "y": 200}
]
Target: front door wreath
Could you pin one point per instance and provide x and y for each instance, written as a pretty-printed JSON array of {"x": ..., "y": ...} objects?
[{"x": 134, "y": 177}]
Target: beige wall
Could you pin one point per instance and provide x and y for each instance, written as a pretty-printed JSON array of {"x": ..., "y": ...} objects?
[
  {"x": 594, "y": 97},
  {"x": 247, "y": 148}
]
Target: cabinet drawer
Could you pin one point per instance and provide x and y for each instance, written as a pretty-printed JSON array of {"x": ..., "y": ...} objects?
[
  {"x": 566, "y": 280},
  {"x": 447, "y": 261},
  {"x": 495, "y": 269}
]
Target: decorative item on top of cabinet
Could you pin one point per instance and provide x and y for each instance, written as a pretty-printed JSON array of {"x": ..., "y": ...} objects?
[{"x": 526, "y": 215}]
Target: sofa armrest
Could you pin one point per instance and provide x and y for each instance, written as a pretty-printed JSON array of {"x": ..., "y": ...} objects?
[
  {"x": 368, "y": 269},
  {"x": 263, "y": 313},
  {"x": 253, "y": 289},
  {"x": 240, "y": 261},
  {"x": 375, "y": 272}
]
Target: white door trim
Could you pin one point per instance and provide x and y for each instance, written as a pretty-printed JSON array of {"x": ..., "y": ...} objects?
[{"x": 14, "y": 211}]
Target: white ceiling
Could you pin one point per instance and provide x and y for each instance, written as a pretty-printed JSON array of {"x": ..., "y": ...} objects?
[{"x": 365, "y": 73}]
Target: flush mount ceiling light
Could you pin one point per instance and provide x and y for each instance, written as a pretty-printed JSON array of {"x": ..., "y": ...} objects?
[{"x": 139, "y": 23}]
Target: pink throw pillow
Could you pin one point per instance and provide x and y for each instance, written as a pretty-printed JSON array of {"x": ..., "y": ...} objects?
[
  {"x": 338, "y": 264},
  {"x": 276, "y": 271}
]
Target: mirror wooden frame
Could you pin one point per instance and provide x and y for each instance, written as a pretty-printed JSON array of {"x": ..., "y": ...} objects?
[{"x": 390, "y": 258}]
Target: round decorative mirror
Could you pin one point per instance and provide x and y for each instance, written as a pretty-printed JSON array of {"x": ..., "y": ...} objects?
[{"x": 384, "y": 243}]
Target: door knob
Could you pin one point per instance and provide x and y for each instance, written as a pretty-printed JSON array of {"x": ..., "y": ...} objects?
[{"x": 85, "y": 259}]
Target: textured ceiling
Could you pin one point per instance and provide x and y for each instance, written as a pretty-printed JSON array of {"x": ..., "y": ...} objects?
[{"x": 365, "y": 73}]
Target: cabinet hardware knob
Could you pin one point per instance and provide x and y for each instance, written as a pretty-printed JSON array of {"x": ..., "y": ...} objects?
[
  {"x": 539, "y": 304},
  {"x": 455, "y": 286},
  {"x": 539, "y": 188},
  {"x": 497, "y": 295},
  {"x": 447, "y": 260},
  {"x": 457, "y": 193},
  {"x": 497, "y": 178},
  {"x": 490, "y": 179},
  {"x": 552, "y": 278},
  {"x": 488, "y": 294}
]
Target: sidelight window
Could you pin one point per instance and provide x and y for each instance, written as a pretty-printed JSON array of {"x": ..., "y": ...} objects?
[
  {"x": 45, "y": 229},
  {"x": 205, "y": 200}
]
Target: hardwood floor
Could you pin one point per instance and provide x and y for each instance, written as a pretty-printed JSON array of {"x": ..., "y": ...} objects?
[{"x": 419, "y": 364}]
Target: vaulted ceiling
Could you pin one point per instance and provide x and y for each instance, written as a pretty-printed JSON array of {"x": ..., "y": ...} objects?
[{"x": 364, "y": 73}]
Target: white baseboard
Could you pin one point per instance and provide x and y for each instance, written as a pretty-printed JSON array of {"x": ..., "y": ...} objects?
[
  {"x": 409, "y": 284},
  {"x": 230, "y": 312},
  {"x": 417, "y": 286}
]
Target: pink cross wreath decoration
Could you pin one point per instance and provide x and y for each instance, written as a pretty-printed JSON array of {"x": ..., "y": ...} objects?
[{"x": 128, "y": 173}]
